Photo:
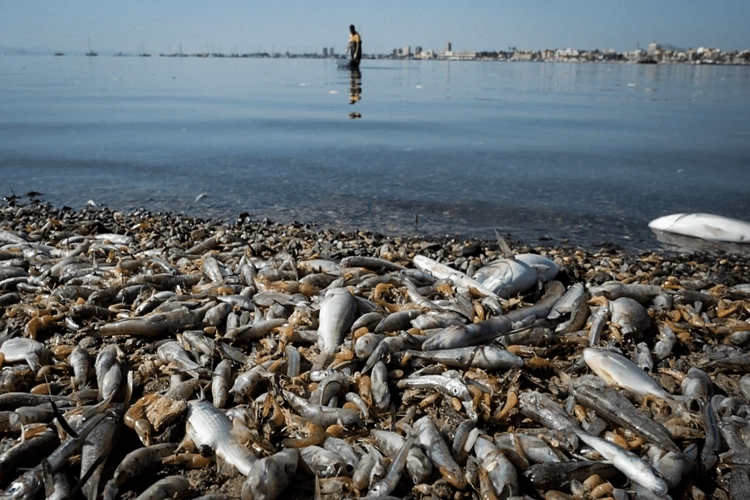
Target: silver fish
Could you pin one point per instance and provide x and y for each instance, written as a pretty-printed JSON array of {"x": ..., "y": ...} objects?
[
  {"x": 208, "y": 426},
  {"x": 501, "y": 472},
  {"x": 438, "y": 452},
  {"x": 441, "y": 271},
  {"x": 220, "y": 383},
  {"x": 630, "y": 315},
  {"x": 418, "y": 466},
  {"x": 337, "y": 311},
  {"x": 507, "y": 277},
  {"x": 385, "y": 486},
  {"x": 626, "y": 462},
  {"x": 484, "y": 357},
  {"x": 617, "y": 370},
  {"x": 164, "y": 488},
  {"x": 270, "y": 476},
  {"x": 322, "y": 462}
]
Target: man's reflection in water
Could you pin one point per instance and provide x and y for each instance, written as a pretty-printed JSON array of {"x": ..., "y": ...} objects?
[{"x": 355, "y": 90}]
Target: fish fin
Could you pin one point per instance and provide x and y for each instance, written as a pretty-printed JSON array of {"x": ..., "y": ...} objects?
[
  {"x": 507, "y": 252},
  {"x": 60, "y": 419},
  {"x": 318, "y": 493}
]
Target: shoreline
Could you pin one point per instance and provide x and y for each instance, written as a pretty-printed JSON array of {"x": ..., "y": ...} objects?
[{"x": 428, "y": 233}]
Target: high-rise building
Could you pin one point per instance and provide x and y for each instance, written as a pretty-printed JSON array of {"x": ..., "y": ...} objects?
[
  {"x": 407, "y": 51},
  {"x": 325, "y": 51},
  {"x": 331, "y": 52},
  {"x": 448, "y": 47},
  {"x": 417, "y": 50}
]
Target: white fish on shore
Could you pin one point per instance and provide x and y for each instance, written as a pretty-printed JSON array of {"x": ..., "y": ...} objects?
[{"x": 704, "y": 226}]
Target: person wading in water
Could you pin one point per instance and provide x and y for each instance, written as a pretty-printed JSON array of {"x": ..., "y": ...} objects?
[{"x": 354, "y": 48}]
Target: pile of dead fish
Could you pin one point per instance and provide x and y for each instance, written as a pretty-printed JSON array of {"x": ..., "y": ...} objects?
[{"x": 157, "y": 356}]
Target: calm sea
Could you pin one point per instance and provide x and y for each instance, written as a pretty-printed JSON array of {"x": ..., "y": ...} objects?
[{"x": 584, "y": 153}]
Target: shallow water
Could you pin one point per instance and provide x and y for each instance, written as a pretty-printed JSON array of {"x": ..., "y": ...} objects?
[{"x": 587, "y": 153}]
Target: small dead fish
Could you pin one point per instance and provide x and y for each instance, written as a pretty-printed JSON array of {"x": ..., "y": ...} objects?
[
  {"x": 617, "y": 370},
  {"x": 206, "y": 425},
  {"x": 438, "y": 452},
  {"x": 626, "y": 462},
  {"x": 630, "y": 315},
  {"x": 270, "y": 476},
  {"x": 484, "y": 357},
  {"x": 385, "y": 486},
  {"x": 166, "y": 488},
  {"x": 337, "y": 311},
  {"x": 501, "y": 472},
  {"x": 418, "y": 466}
]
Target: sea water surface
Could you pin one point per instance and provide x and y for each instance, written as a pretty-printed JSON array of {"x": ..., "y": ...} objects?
[{"x": 582, "y": 153}]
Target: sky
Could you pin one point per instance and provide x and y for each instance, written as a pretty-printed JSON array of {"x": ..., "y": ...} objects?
[{"x": 300, "y": 26}]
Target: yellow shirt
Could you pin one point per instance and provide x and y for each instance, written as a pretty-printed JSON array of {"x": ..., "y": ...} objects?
[{"x": 356, "y": 50}]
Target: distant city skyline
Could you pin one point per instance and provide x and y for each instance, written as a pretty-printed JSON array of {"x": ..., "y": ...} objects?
[{"x": 299, "y": 27}]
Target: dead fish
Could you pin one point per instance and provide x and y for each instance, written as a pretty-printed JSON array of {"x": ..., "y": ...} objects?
[
  {"x": 599, "y": 318},
  {"x": 418, "y": 466},
  {"x": 617, "y": 370},
  {"x": 166, "y": 488},
  {"x": 593, "y": 393},
  {"x": 507, "y": 277},
  {"x": 630, "y": 315},
  {"x": 484, "y": 357},
  {"x": 337, "y": 311},
  {"x": 567, "y": 303},
  {"x": 438, "y": 452},
  {"x": 501, "y": 472},
  {"x": 18, "y": 349},
  {"x": 100, "y": 442},
  {"x": 468, "y": 335},
  {"x": 441, "y": 271},
  {"x": 451, "y": 386},
  {"x": 220, "y": 383},
  {"x": 323, "y": 416},
  {"x": 385, "y": 486},
  {"x": 270, "y": 476},
  {"x": 643, "y": 357},
  {"x": 155, "y": 324},
  {"x": 373, "y": 263},
  {"x": 545, "y": 268},
  {"x": 322, "y": 462},
  {"x": 80, "y": 361},
  {"x": 206, "y": 425},
  {"x": 614, "y": 290},
  {"x": 626, "y": 462}
]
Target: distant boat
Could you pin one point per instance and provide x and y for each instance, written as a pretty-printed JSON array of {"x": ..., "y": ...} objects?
[
  {"x": 91, "y": 52},
  {"x": 143, "y": 51},
  {"x": 59, "y": 54}
]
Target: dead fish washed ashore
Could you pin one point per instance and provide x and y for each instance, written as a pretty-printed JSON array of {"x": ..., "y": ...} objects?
[{"x": 156, "y": 356}]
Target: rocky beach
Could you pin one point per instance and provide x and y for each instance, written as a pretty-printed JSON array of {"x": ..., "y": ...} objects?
[{"x": 158, "y": 355}]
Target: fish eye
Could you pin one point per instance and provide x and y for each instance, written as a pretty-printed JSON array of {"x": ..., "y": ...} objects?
[{"x": 14, "y": 488}]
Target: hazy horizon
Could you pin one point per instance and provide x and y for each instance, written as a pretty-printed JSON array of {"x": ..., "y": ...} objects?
[{"x": 300, "y": 27}]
